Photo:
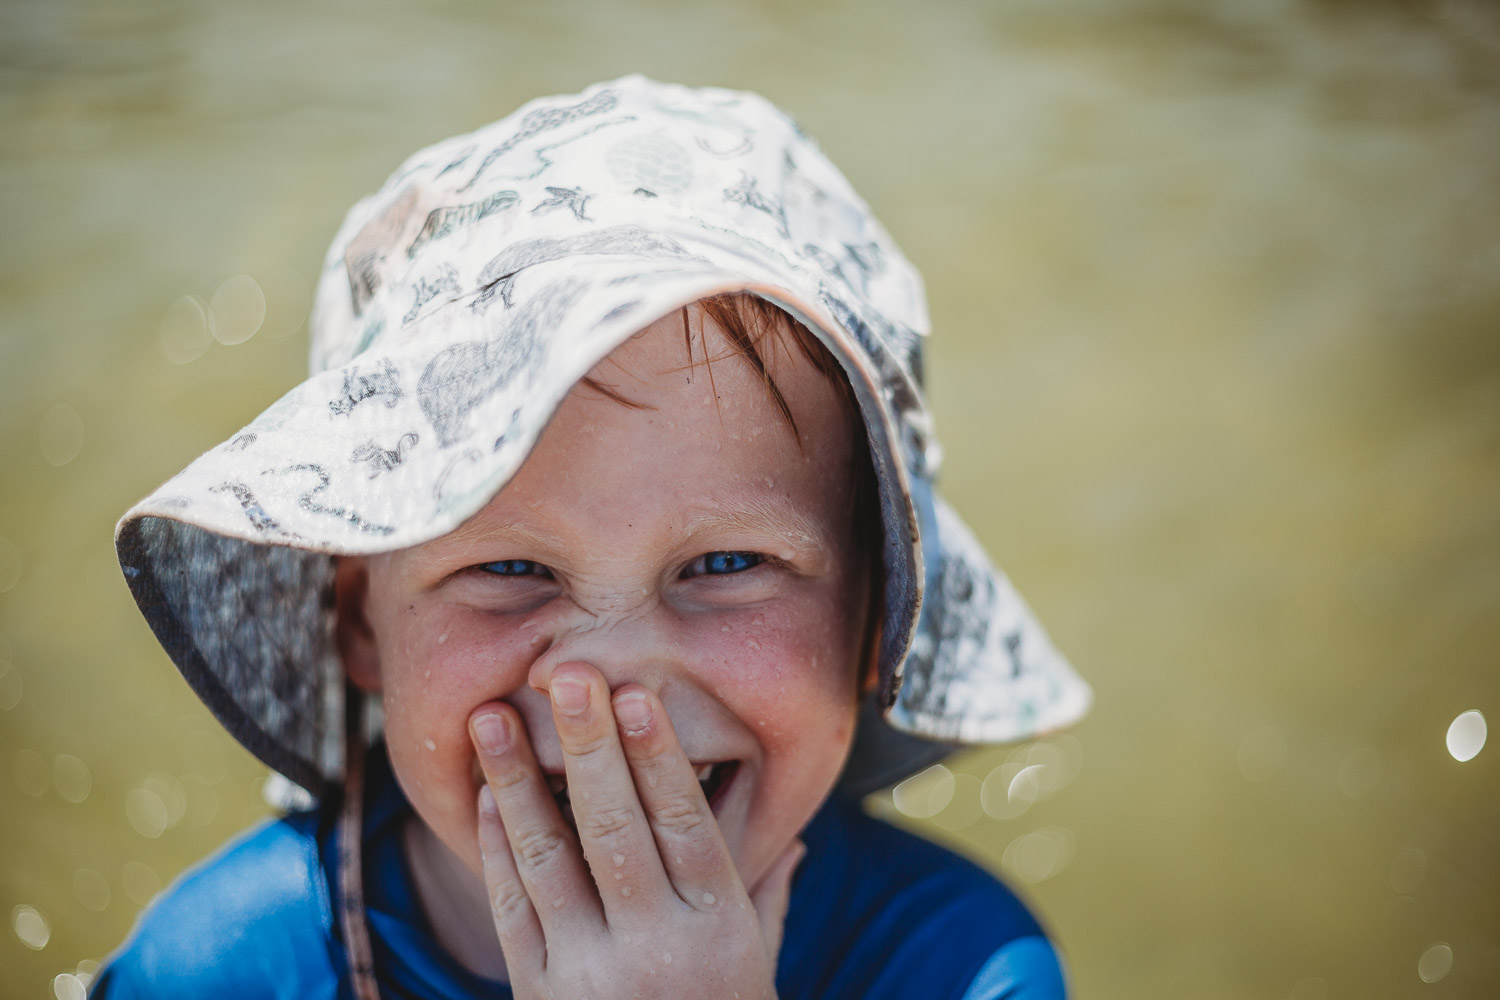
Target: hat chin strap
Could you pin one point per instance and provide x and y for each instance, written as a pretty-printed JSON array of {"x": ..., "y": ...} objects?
[{"x": 351, "y": 887}]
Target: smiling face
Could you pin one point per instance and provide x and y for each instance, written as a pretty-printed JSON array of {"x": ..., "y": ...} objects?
[{"x": 676, "y": 537}]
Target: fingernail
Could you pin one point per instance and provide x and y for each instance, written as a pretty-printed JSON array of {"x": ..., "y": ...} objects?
[
  {"x": 633, "y": 711},
  {"x": 487, "y": 801},
  {"x": 571, "y": 696},
  {"x": 493, "y": 733}
]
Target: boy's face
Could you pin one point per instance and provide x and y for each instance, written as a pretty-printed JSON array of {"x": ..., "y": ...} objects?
[{"x": 685, "y": 544}]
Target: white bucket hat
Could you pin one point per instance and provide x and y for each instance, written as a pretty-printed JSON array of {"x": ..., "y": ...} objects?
[{"x": 456, "y": 309}]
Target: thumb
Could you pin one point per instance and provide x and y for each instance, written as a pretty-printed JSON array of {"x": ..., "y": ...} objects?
[{"x": 772, "y": 894}]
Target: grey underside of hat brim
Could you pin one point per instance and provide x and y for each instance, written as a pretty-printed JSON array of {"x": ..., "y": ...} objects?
[{"x": 273, "y": 701}]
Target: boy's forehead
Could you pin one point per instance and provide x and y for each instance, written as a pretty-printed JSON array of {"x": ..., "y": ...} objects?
[{"x": 764, "y": 510}]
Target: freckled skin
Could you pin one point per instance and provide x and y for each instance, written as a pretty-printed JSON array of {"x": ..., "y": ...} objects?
[{"x": 620, "y": 504}]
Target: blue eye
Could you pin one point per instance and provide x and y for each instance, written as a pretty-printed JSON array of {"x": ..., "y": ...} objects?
[
  {"x": 722, "y": 563},
  {"x": 516, "y": 567}
]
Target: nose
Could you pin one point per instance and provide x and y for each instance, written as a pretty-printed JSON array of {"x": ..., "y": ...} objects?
[{"x": 643, "y": 649}]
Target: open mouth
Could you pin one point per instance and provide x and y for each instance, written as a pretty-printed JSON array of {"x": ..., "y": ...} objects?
[{"x": 713, "y": 778}]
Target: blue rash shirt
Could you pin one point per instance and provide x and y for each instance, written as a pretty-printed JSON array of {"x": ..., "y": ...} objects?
[{"x": 875, "y": 914}]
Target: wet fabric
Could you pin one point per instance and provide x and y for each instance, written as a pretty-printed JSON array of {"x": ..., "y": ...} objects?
[{"x": 875, "y": 914}]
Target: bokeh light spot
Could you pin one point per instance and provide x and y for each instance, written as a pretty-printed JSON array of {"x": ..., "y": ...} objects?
[
  {"x": 1466, "y": 735},
  {"x": 288, "y": 301},
  {"x": 183, "y": 334},
  {"x": 171, "y": 793},
  {"x": 1311, "y": 988},
  {"x": 33, "y": 775},
  {"x": 146, "y": 812},
  {"x": 71, "y": 777},
  {"x": 1262, "y": 753},
  {"x": 10, "y": 565},
  {"x": 1436, "y": 962},
  {"x": 92, "y": 889},
  {"x": 924, "y": 794},
  {"x": 1002, "y": 796},
  {"x": 1408, "y": 870},
  {"x": 237, "y": 310},
  {"x": 963, "y": 809},
  {"x": 1040, "y": 854},
  {"x": 140, "y": 881},
  {"x": 87, "y": 971},
  {"x": 66, "y": 986},
  {"x": 61, "y": 434},
  {"x": 30, "y": 926}
]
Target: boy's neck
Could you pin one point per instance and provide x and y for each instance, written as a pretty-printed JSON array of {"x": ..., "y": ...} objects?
[{"x": 454, "y": 901}]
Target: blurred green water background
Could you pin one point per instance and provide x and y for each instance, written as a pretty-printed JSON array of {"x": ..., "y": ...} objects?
[{"x": 1216, "y": 286}]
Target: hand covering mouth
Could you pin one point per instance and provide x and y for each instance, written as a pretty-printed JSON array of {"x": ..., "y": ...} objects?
[{"x": 713, "y": 777}]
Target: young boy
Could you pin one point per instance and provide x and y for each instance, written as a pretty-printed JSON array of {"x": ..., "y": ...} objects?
[{"x": 612, "y": 487}]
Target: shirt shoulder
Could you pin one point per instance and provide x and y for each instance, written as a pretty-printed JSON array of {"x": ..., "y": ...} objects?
[
  {"x": 252, "y": 921},
  {"x": 878, "y": 912}
]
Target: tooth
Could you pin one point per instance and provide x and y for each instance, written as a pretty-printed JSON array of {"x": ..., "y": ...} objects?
[{"x": 704, "y": 772}]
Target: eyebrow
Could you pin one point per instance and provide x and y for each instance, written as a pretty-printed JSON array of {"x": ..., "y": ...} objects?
[{"x": 776, "y": 518}]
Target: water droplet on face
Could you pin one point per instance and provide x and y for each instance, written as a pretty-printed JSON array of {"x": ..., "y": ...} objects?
[
  {"x": 724, "y": 628},
  {"x": 753, "y": 644},
  {"x": 442, "y": 638},
  {"x": 429, "y": 744},
  {"x": 618, "y": 859},
  {"x": 666, "y": 958},
  {"x": 708, "y": 899},
  {"x": 625, "y": 890}
]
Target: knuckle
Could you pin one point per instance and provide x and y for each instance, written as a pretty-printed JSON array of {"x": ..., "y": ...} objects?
[
  {"x": 677, "y": 814},
  {"x": 605, "y": 824},
  {"x": 539, "y": 848},
  {"x": 507, "y": 778},
  {"x": 587, "y": 744},
  {"x": 510, "y": 905}
]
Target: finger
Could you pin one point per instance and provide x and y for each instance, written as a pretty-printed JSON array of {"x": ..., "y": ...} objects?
[
  {"x": 692, "y": 848},
  {"x": 612, "y": 829},
  {"x": 773, "y": 893},
  {"x": 516, "y": 922},
  {"x": 543, "y": 847}
]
